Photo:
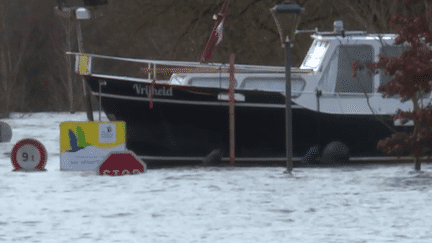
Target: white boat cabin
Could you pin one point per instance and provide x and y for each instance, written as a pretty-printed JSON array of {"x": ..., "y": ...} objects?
[
  {"x": 324, "y": 82},
  {"x": 330, "y": 85}
]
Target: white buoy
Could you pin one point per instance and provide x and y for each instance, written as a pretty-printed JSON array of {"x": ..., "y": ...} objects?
[{"x": 5, "y": 132}]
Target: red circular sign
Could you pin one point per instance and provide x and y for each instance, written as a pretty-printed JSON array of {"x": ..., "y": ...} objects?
[{"x": 29, "y": 154}]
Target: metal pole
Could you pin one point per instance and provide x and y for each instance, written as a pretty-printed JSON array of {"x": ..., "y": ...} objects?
[
  {"x": 87, "y": 97},
  {"x": 288, "y": 121},
  {"x": 231, "y": 108},
  {"x": 318, "y": 95},
  {"x": 101, "y": 83}
]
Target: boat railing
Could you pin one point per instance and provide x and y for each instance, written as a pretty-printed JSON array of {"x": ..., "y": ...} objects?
[{"x": 178, "y": 66}]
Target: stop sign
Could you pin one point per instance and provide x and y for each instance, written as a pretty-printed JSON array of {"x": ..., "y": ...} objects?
[{"x": 121, "y": 163}]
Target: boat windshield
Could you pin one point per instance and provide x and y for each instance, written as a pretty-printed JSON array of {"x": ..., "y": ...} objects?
[{"x": 315, "y": 54}]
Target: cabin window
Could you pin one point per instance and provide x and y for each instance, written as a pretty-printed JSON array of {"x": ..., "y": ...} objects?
[
  {"x": 270, "y": 84},
  {"x": 315, "y": 54},
  {"x": 210, "y": 82},
  {"x": 327, "y": 82},
  {"x": 389, "y": 51},
  {"x": 273, "y": 84},
  {"x": 345, "y": 82}
]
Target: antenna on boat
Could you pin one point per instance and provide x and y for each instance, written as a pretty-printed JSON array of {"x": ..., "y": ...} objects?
[{"x": 338, "y": 29}]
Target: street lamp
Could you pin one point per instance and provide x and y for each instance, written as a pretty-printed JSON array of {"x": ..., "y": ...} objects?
[
  {"x": 80, "y": 11},
  {"x": 76, "y": 14},
  {"x": 286, "y": 16}
]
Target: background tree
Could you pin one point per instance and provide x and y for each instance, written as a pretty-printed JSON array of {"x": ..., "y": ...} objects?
[{"x": 15, "y": 29}]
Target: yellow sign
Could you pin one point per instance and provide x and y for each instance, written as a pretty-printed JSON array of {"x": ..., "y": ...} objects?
[
  {"x": 83, "y": 64},
  {"x": 84, "y": 145}
]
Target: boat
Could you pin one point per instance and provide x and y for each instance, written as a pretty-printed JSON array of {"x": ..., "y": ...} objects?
[{"x": 186, "y": 117}]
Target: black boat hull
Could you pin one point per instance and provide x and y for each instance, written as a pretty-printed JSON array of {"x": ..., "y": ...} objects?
[{"x": 191, "y": 122}]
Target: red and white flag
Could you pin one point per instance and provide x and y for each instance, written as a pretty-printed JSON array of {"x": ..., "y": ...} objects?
[
  {"x": 216, "y": 34},
  {"x": 219, "y": 32}
]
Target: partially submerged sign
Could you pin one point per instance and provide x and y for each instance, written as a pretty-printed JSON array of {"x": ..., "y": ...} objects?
[
  {"x": 29, "y": 155},
  {"x": 84, "y": 145},
  {"x": 121, "y": 163}
]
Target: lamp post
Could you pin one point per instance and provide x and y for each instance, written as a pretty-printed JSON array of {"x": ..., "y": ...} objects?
[
  {"x": 76, "y": 14},
  {"x": 286, "y": 16},
  {"x": 84, "y": 14}
]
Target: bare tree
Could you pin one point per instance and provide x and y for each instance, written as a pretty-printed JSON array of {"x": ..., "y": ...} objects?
[
  {"x": 63, "y": 41},
  {"x": 15, "y": 26},
  {"x": 371, "y": 15}
]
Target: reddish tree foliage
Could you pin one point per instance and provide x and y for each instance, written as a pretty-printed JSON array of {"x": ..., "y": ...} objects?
[{"x": 412, "y": 75}]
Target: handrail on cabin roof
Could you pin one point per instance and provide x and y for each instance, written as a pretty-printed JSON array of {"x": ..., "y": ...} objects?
[{"x": 215, "y": 66}]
